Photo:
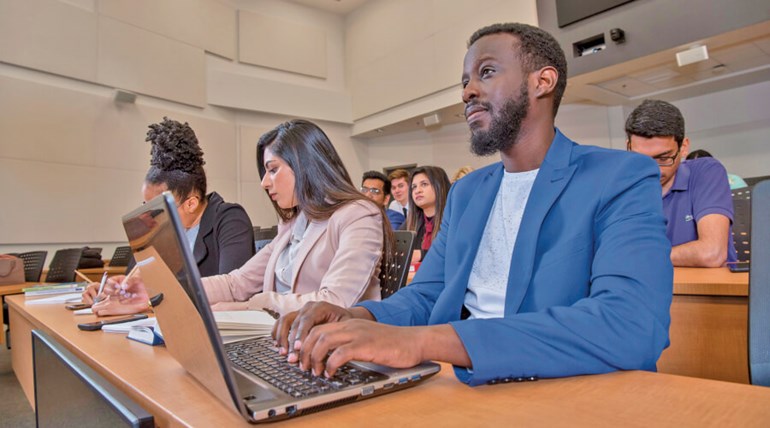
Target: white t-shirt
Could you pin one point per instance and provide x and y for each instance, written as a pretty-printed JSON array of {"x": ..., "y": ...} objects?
[{"x": 487, "y": 284}]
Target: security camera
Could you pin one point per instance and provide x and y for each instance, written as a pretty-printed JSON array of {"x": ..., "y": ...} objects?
[{"x": 617, "y": 35}]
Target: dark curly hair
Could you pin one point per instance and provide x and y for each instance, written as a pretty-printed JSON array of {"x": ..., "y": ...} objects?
[
  {"x": 177, "y": 159},
  {"x": 656, "y": 118},
  {"x": 536, "y": 49}
]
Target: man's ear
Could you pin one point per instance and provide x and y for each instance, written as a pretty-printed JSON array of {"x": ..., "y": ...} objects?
[
  {"x": 685, "y": 149},
  {"x": 547, "y": 77},
  {"x": 387, "y": 201}
]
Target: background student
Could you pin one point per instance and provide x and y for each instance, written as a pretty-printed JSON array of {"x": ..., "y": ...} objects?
[
  {"x": 429, "y": 186},
  {"x": 697, "y": 200},
  {"x": 329, "y": 245},
  {"x": 375, "y": 186}
]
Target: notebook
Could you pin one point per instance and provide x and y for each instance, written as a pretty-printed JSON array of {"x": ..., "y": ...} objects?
[{"x": 247, "y": 376}]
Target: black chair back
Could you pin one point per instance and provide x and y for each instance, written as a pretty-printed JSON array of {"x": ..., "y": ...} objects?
[
  {"x": 63, "y": 265},
  {"x": 121, "y": 256},
  {"x": 33, "y": 264},
  {"x": 759, "y": 287},
  {"x": 265, "y": 233},
  {"x": 742, "y": 223},
  {"x": 395, "y": 272}
]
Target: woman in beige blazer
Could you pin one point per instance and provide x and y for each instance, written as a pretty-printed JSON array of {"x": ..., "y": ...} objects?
[{"x": 330, "y": 241}]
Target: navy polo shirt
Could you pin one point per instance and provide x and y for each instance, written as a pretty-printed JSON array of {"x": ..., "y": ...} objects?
[{"x": 700, "y": 188}]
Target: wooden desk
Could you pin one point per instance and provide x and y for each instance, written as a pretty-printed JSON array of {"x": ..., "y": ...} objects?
[
  {"x": 709, "y": 325},
  {"x": 155, "y": 380}
]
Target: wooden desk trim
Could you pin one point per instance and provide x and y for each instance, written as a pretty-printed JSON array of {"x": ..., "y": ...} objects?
[
  {"x": 710, "y": 282},
  {"x": 155, "y": 380}
]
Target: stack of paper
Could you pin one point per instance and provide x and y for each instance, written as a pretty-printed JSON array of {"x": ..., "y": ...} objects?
[
  {"x": 43, "y": 289},
  {"x": 239, "y": 325},
  {"x": 55, "y": 299}
]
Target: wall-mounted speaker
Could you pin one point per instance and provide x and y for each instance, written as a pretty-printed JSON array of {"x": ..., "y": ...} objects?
[{"x": 122, "y": 96}]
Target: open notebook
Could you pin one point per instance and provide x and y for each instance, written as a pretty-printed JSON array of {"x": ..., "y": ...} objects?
[{"x": 248, "y": 376}]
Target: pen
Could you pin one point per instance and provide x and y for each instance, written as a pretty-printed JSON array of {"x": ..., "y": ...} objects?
[
  {"x": 82, "y": 276},
  {"x": 97, "y": 299}
]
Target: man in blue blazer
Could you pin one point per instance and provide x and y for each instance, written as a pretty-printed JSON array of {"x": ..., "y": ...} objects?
[{"x": 553, "y": 262}]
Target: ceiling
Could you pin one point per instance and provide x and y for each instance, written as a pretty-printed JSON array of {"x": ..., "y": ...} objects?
[
  {"x": 737, "y": 58},
  {"x": 339, "y": 7}
]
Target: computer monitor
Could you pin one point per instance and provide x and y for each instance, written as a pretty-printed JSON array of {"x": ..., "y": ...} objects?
[{"x": 69, "y": 393}]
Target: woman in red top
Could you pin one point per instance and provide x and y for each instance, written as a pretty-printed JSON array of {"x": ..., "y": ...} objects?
[{"x": 429, "y": 186}]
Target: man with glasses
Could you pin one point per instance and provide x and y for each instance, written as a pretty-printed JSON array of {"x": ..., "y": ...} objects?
[
  {"x": 696, "y": 194},
  {"x": 376, "y": 187}
]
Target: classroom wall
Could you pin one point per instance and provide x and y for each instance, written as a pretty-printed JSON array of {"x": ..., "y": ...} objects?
[{"x": 72, "y": 159}]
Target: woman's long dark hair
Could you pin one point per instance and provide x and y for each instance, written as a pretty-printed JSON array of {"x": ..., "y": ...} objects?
[
  {"x": 322, "y": 184},
  {"x": 440, "y": 182},
  {"x": 176, "y": 159}
]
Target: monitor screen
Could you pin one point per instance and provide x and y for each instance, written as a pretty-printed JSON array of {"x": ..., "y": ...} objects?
[
  {"x": 68, "y": 393},
  {"x": 571, "y": 11}
]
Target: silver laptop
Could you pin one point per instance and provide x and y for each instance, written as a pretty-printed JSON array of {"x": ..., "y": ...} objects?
[{"x": 248, "y": 375}]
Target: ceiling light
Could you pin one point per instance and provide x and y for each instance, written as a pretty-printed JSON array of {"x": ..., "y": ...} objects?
[{"x": 692, "y": 55}]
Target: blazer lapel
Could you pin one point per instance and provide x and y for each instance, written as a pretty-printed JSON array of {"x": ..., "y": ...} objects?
[
  {"x": 555, "y": 172},
  {"x": 313, "y": 233}
]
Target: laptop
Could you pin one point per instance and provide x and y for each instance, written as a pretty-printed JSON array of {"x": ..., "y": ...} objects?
[{"x": 248, "y": 376}]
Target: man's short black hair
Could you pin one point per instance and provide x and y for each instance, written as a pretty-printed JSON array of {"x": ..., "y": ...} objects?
[
  {"x": 378, "y": 176},
  {"x": 656, "y": 118},
  {"x": 536, "y": 49}
]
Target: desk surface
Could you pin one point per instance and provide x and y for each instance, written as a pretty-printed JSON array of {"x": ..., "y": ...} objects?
[
  {"x": 154, "y": 379},
  {"x": 710, "y": 282}
]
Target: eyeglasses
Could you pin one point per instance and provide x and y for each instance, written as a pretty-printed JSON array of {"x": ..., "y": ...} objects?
[
  {"x": 666, "y": 160},
  {"x": 372, "y": 190},
  {"x": 662, "y": 160}
]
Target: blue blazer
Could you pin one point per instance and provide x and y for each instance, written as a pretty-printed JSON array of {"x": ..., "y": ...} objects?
[{"x": 590, "y": 278}]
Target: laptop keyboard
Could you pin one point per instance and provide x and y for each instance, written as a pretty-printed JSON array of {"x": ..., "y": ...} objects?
[{"x": 258, "y": 356}]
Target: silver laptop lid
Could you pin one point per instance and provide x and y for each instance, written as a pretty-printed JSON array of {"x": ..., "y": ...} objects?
[{"x": 166, "y": 265}]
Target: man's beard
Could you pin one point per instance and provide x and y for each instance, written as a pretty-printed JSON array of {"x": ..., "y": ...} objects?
[{"x": 504, "y": 128}]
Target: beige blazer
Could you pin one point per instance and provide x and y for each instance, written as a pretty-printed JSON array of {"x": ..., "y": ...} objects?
[{"x": 338, "y": 262}]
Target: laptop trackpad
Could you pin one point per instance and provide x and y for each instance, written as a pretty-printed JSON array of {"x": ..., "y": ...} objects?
[{"x": 250, "y": 391}]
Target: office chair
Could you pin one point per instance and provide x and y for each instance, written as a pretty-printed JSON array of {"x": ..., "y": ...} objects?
[
  {"x": 33, "y": 264},
  {"x": 63, "y": 265},
  {"x": 742, "y": 223},
  {"x": 395, "y": 272},
  {"x": 266, "y": 233},
  {"x": 759, "y": 287},
  {"x": 121, "y": 256}
]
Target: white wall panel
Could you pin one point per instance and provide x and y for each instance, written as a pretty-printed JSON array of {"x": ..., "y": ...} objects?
[
  {"x": 64, "y": 203},
  {"x": 385, "y": 71},
  {"x": 144, "y": 62},
  {"x": 207, "y": 24},
  {"x": 284, "y": 45},
  {"x": 48, "y": 35},
  {"x": 246, "y": 92}
]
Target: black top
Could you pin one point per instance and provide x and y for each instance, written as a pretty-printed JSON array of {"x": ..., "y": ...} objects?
[{"x": 225, "y": 239}]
